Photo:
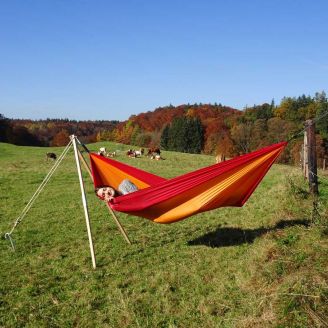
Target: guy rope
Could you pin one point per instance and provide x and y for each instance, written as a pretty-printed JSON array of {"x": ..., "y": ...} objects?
[{"x": 36, "y": 194}]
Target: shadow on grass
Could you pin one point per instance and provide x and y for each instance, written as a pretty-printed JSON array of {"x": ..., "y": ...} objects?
[{"x": 223, "y": 237}]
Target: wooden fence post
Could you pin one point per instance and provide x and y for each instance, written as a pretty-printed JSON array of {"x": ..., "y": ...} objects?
[
  {"x": 311, "y": 156},
  {"x": 305, "y": 157}
]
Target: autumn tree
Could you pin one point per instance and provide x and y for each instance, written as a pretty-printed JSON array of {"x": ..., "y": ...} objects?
[
  {"x": 103, "y": 135},
  {"x": 20, "y": 135},
  {"x": 279, "y": 130},
  {"x": 211, "y": 143},
  {"x": 60, "y": 139},
  {"x": 294, "y": 109},
  {"x": 144, "y": 139},
  {"x": 259, "y": 134},
  {"x": 225, "y": 146},
  {"x": 241, "y": 135}
]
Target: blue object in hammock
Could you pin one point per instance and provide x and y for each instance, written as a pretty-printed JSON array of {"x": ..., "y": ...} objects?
[{"x": 127, "y": 187}]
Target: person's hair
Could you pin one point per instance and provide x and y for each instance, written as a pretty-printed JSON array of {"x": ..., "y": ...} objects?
[{"x": 100, "y": 187}]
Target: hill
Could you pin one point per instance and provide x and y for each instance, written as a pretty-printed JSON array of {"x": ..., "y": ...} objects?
[
  {"x": 192, "y": 128},
  {"x": 226, "y": 130},
  {"x": 263, "y": 265}
]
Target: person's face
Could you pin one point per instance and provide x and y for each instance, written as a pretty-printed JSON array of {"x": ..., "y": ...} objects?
[{"x": 106, "y": 193}]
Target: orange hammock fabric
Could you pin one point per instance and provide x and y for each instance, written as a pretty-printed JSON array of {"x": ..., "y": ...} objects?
[{"x": 228, "y": 183}]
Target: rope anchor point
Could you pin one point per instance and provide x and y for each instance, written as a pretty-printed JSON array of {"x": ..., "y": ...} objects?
[{"x": 11, "y": 240}]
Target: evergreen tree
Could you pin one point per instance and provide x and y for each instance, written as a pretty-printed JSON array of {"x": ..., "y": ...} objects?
[
  {"x": 4, "y": 128},
  {"x": 177, "y": 134},
  {"x": 185, "y": 135},
  {"x": 135, "y": 134},
  {"x": 322, "y": 124},
  {"x": 165, "y": 137},
  {"x": 273, "y": 105},
  {"x": 194, "y": 136}
]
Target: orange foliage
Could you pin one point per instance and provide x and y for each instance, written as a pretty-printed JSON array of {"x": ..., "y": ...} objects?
[{"x": 60, "y": 139}]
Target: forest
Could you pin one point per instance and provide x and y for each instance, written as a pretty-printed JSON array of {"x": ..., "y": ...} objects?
[
  {"x": 190, "y": 128},
  {"x": 50, "y": 132},
  {"x": 217, "y": 129}
]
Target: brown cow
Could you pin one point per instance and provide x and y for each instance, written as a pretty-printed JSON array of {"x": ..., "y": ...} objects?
[
  {"x": 153, "y": 151},
  {"x": 131, "y": 153},
  {"x": 52, "y": 156}
]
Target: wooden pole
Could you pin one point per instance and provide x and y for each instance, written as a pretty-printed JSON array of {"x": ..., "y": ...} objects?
[
  {"x": 305, "y": 156},
  {"x": 302, "y": 158},
  {"x": 84, "y": 202},
  {"x": 118, "y": 223},
  {"x": 86, "y": 166},
  {"x": 312, "y": 157}
]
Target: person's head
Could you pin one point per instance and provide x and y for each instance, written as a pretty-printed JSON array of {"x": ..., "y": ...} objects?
[{"x": 105, "y": 193}]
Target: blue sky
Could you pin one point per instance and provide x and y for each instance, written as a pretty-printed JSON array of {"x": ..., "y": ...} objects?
[{"x": 104, "y": 60}]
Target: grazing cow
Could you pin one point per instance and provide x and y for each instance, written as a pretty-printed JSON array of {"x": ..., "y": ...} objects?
[
  {"x": 220, "y": 158},
  {"x": 156, "y": 157},
  {"x": 153, "y": 151},
  {"x": 113, "y": 154},
  {"x": 102, "y": 151},
  {"x": 131, "y": 153},
  {"x": 137, "y": 153},
  {"x": 52, "y": 156}
]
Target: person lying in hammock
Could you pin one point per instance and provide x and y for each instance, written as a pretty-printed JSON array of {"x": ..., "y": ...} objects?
[
  {"x": 108, "y": 193},
  {"x": 105, "y": 193}
]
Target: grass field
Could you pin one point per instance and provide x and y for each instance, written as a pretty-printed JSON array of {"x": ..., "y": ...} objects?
[{"x": 263, "y": 265}]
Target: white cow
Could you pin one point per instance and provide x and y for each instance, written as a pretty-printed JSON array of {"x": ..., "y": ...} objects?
[
  {"x": 102, "y": 151},
  {"x": 137, "y": 153}
]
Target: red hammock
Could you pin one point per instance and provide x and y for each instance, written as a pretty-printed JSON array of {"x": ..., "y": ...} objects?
[{"x": 228, "y": 183}]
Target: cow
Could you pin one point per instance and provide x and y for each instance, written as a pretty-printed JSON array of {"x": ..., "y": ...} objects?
[
  {"x": 131, "y": 153},
  {"x": 113, "y": 154},
  {"x": 153, "y": 151},
  {"x": 220, "y": 158},
  {"x": 51, "y": 156},
  {"x": 102, "y": 151},
  {"x": 137, "y": 153},
  {"x": 156, "y": 157}
]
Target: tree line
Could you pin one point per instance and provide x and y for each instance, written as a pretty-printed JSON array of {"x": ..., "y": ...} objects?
[
  {"x": 50, "y": 132},
  {"x": 213, "y": 128},
  {"x": 193, "y": 128}
]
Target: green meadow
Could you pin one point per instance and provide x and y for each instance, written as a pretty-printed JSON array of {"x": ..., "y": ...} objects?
[{"x": 262, "y": 265}]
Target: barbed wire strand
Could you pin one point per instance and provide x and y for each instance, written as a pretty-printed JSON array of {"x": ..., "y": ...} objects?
[{"x": 319, "y": 176}]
